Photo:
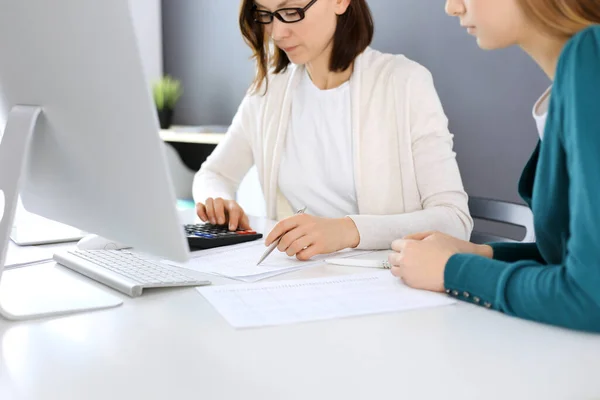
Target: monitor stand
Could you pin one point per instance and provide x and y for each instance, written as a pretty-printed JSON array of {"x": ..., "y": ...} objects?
[{"x": 43, "y": 290}]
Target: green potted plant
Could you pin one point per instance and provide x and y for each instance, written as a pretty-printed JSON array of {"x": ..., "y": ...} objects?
[{"x": 167, "y": 92}]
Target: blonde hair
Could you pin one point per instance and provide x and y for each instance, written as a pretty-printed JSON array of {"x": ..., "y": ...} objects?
[{"x": 562, "y": 18}]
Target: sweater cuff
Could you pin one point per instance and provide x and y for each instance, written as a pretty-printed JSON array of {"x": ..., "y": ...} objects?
[
  {"x": 371, "y": 235},
  {"x": 200, "y": 197},
  {"x": 474, "y": 279}
]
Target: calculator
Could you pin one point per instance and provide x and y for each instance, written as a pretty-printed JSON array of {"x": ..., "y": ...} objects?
[{"x": 208, "y": 236}]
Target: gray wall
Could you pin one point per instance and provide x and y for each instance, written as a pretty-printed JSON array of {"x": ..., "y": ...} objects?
[
  {"x": 203, "y": 47},
  {"x": 488, "y": 96}
]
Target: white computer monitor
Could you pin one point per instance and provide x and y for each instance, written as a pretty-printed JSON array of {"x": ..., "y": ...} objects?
[{"x": 81, "y": 142}]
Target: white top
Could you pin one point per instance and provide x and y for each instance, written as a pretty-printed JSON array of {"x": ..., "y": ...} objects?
[
  {"x": 316, "y": 169},
  {"x": 405, "y": 171},
  {"x": 540, "y": 111}
]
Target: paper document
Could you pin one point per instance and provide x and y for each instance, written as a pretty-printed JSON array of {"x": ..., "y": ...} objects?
[
  {"x": 19, "y": 256},
  {"x": 239, "y": 261},
  {"x": 287, "y": 302}
]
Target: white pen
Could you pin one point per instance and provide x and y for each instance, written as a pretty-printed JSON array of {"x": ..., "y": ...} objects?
[{"x": 349, "y": 262}]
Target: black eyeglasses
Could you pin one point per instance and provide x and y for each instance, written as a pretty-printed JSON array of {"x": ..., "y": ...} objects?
[{"x": 285, "y": 15}]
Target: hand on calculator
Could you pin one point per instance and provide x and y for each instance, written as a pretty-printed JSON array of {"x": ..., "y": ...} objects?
[{"x": 220, "y": 212}]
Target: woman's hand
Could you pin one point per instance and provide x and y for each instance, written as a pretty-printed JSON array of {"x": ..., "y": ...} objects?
[
  {"x": 461, "y": 245},
  {"x": 420, "y": 260},
  {"x": 220, "y": 212},
  {"x": 305, "y": 236}
]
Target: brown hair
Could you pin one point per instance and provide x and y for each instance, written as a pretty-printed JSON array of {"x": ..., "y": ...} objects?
[
  {"x": 353, "y": 34},
  {"x": 562, "y": 18}
]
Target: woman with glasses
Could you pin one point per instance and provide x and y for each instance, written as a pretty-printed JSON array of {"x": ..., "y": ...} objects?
[
  {"x": 356, "y": 137},
  {"x": 557, "y": 279}
]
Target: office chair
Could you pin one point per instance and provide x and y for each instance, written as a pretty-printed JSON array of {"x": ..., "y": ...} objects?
[{"x": 501, "y": 212}]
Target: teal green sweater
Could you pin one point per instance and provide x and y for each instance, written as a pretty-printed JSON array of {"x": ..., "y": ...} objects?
[{"x": 557, "y": 279}]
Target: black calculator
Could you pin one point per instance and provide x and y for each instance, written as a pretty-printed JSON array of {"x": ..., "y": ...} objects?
[{"x": 208, "y": 236}]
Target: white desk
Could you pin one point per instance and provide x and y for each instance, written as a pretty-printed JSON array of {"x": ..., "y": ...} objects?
[
  {"x": 192, "y": 147},
  {"x": 196, "y": 138},
  {"x": 170, "y": 135},
  {"x": 171, "y": 344}
]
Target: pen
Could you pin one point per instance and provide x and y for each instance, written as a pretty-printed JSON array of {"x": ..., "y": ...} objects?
[
  {"x": 359, "y": 263},
  {"x": 276, "y": 242}
]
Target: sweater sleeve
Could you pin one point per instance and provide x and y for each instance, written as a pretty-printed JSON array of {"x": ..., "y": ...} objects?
[
  {"x": 566, "y": 294},
  {"x": 220, "y": 175},
  {"x": 444, "y": 201}
]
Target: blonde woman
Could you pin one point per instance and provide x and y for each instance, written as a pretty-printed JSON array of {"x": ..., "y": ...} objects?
[
  {"x": 356, "y": 136},
  {"x": 557, "y": 279}
]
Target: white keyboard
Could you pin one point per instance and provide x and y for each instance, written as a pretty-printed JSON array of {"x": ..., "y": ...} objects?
[{"x": 125, "y": 271}]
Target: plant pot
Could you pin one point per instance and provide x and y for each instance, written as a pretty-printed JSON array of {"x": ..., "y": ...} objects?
[{"x": 165, "y": 117}]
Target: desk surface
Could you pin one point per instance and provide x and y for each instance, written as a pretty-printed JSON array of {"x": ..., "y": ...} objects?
[{"x": 171, "y": 344}]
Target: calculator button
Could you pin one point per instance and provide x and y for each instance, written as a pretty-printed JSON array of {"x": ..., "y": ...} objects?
[{"x": 205, "y": 235}]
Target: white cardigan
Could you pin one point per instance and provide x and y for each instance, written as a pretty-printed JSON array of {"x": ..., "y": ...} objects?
[{"x": 406, "y": 175}]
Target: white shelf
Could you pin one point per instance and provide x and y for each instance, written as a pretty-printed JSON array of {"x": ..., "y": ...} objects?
[{"x": 191, "y": 137}]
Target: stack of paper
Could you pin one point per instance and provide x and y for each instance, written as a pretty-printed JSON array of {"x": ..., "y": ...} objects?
[
  {"x": 286, "y": 302},
  {"x": 239, "y": 261}
]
